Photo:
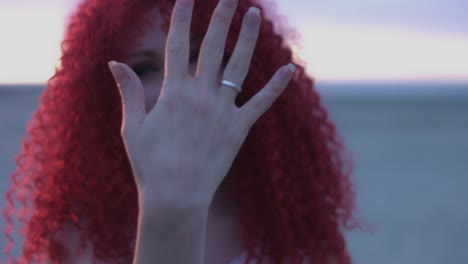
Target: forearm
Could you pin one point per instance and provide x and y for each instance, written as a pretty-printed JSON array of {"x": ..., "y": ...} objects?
[{"x": 171, "y": 237}]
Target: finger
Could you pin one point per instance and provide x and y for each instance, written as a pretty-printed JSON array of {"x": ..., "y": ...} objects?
[
  {"x": 239, "y": 63},
  {"x": 212, "y": 49},
  {"x": 260, "y": 103},
  {"x": 131, "y": 92},
  {"x": 178, "y": 40}
]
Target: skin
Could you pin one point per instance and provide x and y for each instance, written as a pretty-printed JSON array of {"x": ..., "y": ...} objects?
[
  {"x": 146, "y": 58},
  {"x": 194, "y": 122}
]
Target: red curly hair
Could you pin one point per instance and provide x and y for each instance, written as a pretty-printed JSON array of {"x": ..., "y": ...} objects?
[{"x": 292, "y": 173}]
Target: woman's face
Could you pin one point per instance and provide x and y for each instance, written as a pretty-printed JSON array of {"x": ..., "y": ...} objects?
[{"x": 146, "y": 57}]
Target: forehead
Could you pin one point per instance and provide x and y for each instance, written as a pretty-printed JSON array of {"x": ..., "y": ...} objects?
[{"x": 153, "y": 36}]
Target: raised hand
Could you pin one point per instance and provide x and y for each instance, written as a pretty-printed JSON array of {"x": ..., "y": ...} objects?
[{"x": 183, "y": 148}]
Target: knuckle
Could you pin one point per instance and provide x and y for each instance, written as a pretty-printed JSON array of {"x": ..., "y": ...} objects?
[
  {"x": 201, "y": 104},
  {"x": 262, "y": 102},
  {"x": 197, "y": 102},
  {"x": 175, "y": 94},
  {"x": 182, "y": 17},
  {"x": 268, "y": 97},
  {"x": 221, "y": 17},
  {"x": 248, "y": 37},
  {"x": 216, "y": 50},
  {"x": 176, "y": 47},
  {"x": 276, "y": 88},
  {"x": 236, "y": 69},
  {"x": 184, "y": 4},
  {"x": 172, "y": 96},
  {"x": 182, "y": 13}
]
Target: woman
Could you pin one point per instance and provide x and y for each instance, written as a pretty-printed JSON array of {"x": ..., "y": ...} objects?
[{"x": 204, "y": 152}]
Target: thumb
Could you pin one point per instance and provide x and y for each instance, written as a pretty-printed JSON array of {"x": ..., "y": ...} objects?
[{"x": 131, "y": 92}]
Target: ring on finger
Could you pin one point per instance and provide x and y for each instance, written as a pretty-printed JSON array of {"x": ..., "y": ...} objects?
[{"x": 234, "y": 85}]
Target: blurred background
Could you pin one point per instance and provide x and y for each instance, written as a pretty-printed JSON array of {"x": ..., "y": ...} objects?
[{"x": 394, "y": 76}]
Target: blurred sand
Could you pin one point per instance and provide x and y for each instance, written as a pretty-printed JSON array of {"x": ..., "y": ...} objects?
[{"x": 411, "y": 173}]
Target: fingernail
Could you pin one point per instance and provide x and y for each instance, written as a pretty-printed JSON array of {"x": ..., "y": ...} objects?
[
  {"x": 117, "y": 71},
  {"x": 112, "y": 63},
  {"x": 289, "y": 70},
  {"x": 254, "y": 10},
  {"x": 253, "y": 16}
]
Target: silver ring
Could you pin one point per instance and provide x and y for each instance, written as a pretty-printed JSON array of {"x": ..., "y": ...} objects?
[{"x": 232, "y": 85}]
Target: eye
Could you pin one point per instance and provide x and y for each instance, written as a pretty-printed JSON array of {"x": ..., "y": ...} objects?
[{"x": 144, "y": 69}]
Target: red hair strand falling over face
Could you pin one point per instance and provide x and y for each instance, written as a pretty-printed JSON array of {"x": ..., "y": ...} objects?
[{"x": 292, "y": 178}]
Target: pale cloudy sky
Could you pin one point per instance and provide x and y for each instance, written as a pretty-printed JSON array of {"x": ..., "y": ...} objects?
[{"x": 422, "y": 40}]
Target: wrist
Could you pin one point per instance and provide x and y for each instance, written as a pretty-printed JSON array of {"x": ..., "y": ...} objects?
[
  {"x": 170, "y": 203},
  {"x": 171, "y": 229},
  {"x": 164, "y": 208}
]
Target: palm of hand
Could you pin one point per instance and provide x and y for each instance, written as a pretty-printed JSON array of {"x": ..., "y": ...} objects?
[{"x": 183, "y": 148}]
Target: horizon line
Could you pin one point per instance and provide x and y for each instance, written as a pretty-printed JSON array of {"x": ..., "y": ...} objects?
[{"x": 460, "y": 81}]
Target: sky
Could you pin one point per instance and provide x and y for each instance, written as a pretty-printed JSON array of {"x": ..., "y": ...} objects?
[{"x": 352, "y": 40}]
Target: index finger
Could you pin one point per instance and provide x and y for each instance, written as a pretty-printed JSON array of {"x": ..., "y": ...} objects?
[{"x": 178, "y": 40}]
